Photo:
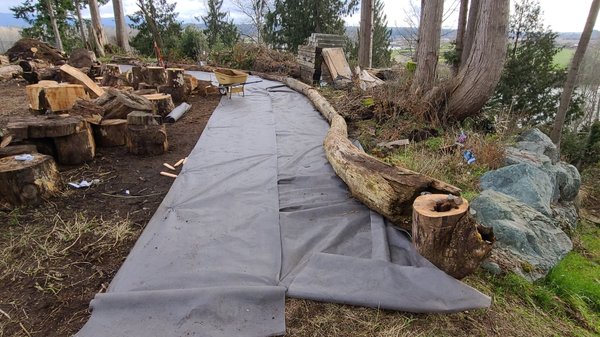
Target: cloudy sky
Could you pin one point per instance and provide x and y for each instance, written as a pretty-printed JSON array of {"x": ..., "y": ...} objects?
[{"x": 559, "y": 15}]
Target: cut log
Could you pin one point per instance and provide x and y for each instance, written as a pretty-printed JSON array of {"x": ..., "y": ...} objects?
[
  {"x": 111, "y": 132},
  {"x": 89, "y": 110},
  {"x": 143, "y": 92},
  {"x": 155, "y": 76},
  {"x": 119, "y": 104},
  {"x": 33, "y": 71},
  {"x": 111, "y": 75},
  {"x": 191, "y": 83},
  {"x": 147, "y": 139},
  {"x": 141, "y": 118},
  {"x": 75, "y": 75},
  {"x": 9, "y": 72},
  {"x": 13, "y": 150},
  {"x": 138, "y": 75},
  {"x": 28, "y": 182},
  {"x": 44, "y": 126},
  {"x": 62, "y": 97},
  {"x": 163, "y": 103},
  {"x": 82, "y": 58},
  {"x": 175, "y": 85},
  {"x": 449, "y": 237},
  {"x": 389, "y": 190},
  {"x": 76, "y": 148}
]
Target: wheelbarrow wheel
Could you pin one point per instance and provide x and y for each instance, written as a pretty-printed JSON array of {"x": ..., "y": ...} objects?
[{"x": 223, "y": 90}]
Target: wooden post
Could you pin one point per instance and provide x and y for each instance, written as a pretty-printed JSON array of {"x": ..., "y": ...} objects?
[
  {"x": 444, "y": 233},
  {"x": 111, "y": 132},
  {"x": 28, "y": 182},
  {"x": 365, "y": 43}
]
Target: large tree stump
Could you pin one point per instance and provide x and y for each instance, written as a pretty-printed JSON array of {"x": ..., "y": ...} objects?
[
  {"x": 111, "y": 75},
  {"x": 28, "y": 182},
  {"x": 111, "y": 132},
  {"x": 119, "y": 104},
  {"x": 76, "y": 148},
  {"x": 44, "y": 126},
  {"x": 147, "y": 139},
  {"x": 163, "y": 103},
  {"x": 56, "y": 97},
  {"x": 155, "y": 76},
  {"x": 449, "y": 237}
]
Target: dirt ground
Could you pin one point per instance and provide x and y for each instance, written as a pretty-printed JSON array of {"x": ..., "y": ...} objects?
[{"x": 49, "y": 295}]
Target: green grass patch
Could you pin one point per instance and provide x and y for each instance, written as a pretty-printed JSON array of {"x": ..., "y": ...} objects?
[{"x": 563, "y": 58}]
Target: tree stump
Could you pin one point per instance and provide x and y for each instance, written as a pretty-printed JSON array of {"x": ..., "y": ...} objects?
[
  {"x": 449, "y": 238},
  {"x": 28, "y": 182},
  {"x": 155, "y": 76},
  {"x": 141, "y": 118},
  {"x": 13, "y": 150},
  {"x": 111, "y": 132},
  {"x": 111, "y": 75},
  {"x": 44, "y": 126},
  {"x": 147, "y": 139},
  {"x": 163, "y": 103},
  {"x": 76, "y": 148},
  {"x": 191, "y": 83},
  {"x": 89, "y": 110},
  {"x": 56, "y": 97}
]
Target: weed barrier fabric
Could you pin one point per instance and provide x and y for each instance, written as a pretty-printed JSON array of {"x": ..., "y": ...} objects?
[{"x": 257, "y": 213}]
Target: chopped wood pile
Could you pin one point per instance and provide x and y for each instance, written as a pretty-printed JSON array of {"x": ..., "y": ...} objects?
[{"x": 310, "y": 58}]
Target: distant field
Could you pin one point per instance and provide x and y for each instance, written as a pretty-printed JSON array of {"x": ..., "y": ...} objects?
[{"x": 563, "y": 58}]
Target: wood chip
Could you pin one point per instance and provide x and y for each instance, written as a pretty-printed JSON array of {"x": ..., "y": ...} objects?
[
  {"x": 167, "y": 174},
  {"x": 179, "y": 162}
]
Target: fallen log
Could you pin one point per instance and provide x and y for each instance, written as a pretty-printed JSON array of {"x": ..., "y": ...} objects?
[
  {"x": 28, "y": 182},
  {"x": 389, "y": 190},
  {"x": 449, "y": 237},
  {"x": 110, "y": 132}
]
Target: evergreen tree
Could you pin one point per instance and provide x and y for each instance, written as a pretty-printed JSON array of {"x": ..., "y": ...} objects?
[
  {"x": 36, "y": 14},
  {"x": 155, "y": 21},
  {"x": 531, "y": 82},
  {"x": 292, "y": 21},
  {"x": 218, "y": 28},
  {"x": 382, "y": 37}
]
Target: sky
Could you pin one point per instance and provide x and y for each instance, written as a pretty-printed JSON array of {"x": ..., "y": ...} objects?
[{"x": 560, "y": 15}]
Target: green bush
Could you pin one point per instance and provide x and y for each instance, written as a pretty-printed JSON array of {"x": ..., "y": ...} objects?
[{"x": 193, "y": 44}]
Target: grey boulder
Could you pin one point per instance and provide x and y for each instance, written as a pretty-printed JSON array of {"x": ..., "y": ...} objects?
[{"x": 536, "y": 141}]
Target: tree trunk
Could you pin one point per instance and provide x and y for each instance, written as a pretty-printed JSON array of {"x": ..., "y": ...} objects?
[
  {"x": 54, "y": 25},
  {"x": 460, "y": 32},
  {"x": 470, "y": 31},
  {"x": 450, "y": 239},
  {"x": 122, "y": 37},
  {"x": 476, "y": 81},
  {"x": 365, "y": 43},
  {"x": 429, "y": 46},
  {"x": 80, "y": 23},
  {"x": 76, "y": 148},
  {"x": 28, "y": 182},
  {"x": 565, "y": 97},
  {"x": 389, "y": 190},
  {"x": 97, "y": 25},
  {"x": 94, "y": 42}
]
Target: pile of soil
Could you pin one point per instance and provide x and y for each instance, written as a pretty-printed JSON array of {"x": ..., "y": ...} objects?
[{"x": 22, "y": 50}]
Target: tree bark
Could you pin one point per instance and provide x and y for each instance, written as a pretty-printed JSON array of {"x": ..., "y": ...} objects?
[
  {"x": 111, "y": 75},
  {"x": 476, "y": 81},
  {"x": 163, "y": 103},
  {"x": 429, "y": 46},
  {"x": 80, "y": 23},
  {"x": 460, "y": 31},
  {"x": 28, "y": 182},
  {"x": 365, "y": 43},
  {"x": 76, "y": 148},
  {"x": 110, "y": 132},
  {"x": 147, "y": 139},
  {"x": 565, "y": 97},
  {"x": 97, "y": 30},
  {"x": 451, "y": 239},
  {"x": 122, "y": 37},
  {"x": 470, "y": 30},
  {"x": 54, "y": 25}
]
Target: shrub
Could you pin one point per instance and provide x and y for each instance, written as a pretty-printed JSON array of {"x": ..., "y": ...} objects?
[{"x": 193, "y": 44}]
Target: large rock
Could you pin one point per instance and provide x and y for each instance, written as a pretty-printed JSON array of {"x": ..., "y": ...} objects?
[
  {"x": 513, "y": 155},
  {"x": 536, "y": 141},
  {"x": 524, "y": 182},
  {"x": 525, "y": 234}
]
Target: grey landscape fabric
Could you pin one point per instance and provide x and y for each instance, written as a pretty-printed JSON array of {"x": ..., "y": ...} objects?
[{"x": 257, "y": 213}]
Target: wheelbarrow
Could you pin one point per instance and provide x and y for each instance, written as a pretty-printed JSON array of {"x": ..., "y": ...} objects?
[{"x": 231, "y": 81}]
